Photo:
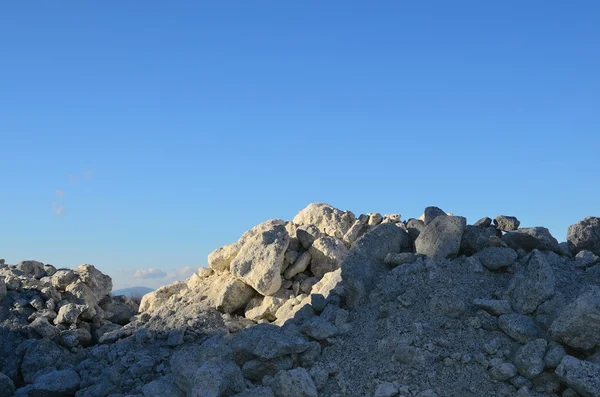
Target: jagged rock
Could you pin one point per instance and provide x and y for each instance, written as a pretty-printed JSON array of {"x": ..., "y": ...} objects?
[
  {"x": 306, "y": 234},
  {"x": 260, "y": 391},
  {"x": 484, "y": 222},
  {"x": 391, "y": 218},
  {"x": 578, "y": 324},
  {"x": 220, "y": 259},
  {"x": 319, "y": 328},
  {"x": 62, "y": 278},
  {"x": 260, "y": 307},
  {"x": 582, "y": 376},
  {"x": 69, "y": 313},
  {"x": 447, "y": 303},
  {"x": 414, "y": 228},
  {"x": 233, "y": 295},
  {"x": 366, "y": 259},
  {"x": 260, "y": 259},
  {"x": 441, "y": 237},
  {"x": 586, "y": 259},
  {"x": 99, "y": 283},
  {"x": 328, "y": 220},
  {"x": 300, "y": 265},
  {"x": 118, "y": 309},
  {"x": 585, "y": 235},
  {"x": 56, "y": 383},
  {"x": 503, "y": 371},
  {"x": 554, "y": 355},
  {"x": 394, "y": 259},
  {"x": 356, "y": 231},
  {"x": 430, "y": 214},
  {"x": 75, "y": 337},
  {"x": 327, "y": 255},
  {"x": 533, "y": 284},
  {"x": 41, "y": 354},
  {"x": 374, "y": 219},
  {"x": 44, "y": 329},
  {"x": 386, "y": 389},
  {"x": 494, "y": 307},
  {"x": 294, "y": 383},
  {"x": 266, "y": 342},
  {"x": 257, "y": 369},
  {"x": 506, "y": 223},
  {"x": 529, "y": 359},
  {"x": 49, "y": 269},
  {"x": 494, "y": 258},
  {"x": 3, "y": 289},
  {"x": 204, "y": 272},
  {"x": 519, "y": 327},
  {"x": 215, "y": 379},
  {"x": 156, "y": 299},
  {"x": 475, "y": 239},
  {"x": 7, "y": 387},
  {"x": 531, "y": 238},
  {"x": 163, "y": 387},
  {"x": 33, "y": 268}
]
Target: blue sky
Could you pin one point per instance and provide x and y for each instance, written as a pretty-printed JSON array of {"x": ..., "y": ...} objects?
[{"x": 142, "y": 135}]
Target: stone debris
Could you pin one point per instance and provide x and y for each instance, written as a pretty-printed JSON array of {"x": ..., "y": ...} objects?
[{"x": 328, "y": 304}]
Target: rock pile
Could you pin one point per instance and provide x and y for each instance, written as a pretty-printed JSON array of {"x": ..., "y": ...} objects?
[{"x": 328, "y": 304}]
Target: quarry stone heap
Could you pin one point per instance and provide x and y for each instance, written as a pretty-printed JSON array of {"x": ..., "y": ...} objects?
[{"x": 328, "y": 304}]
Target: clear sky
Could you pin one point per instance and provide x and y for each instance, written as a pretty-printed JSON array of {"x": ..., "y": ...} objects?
[{"x": 141, "y": 135}]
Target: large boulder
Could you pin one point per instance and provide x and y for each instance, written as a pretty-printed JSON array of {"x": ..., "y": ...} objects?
[
  {"x": 578, "y": 324},
  {"x": 55, "y": 384},
  {"x": 442, "y": 237},
  {"x": 7, "y": 387},
  {"x": 529, "y": 358},
  {"x": 533, "y": 284},
  {"x": 265, "y": 307},
  {"x": 506, "y": 223},
  {"x": 232, "y": 295},
  {"x": 531, "y": 238},
  {"x": 32, "y": 268},
  {"x": 585, "y": 235},
  {"x": 63, "y": 278},
  {"x": 261, "y": 257},
  {"x": 582, "y": 376},
  {"x": 69, "y": 313},
  {"x": 156, "y": 299},
  {"x": 42, "y": 354},
  {"x": 220, "y": 259},
  {"x": 430, "y": 214},
  {"x": 118, "y": 309},
  {"x": 294, "y": 383},
  {"x": 476, "y": 238},
  {"x": 365, "y": 260},
  {"x": 327, "y": 219},
  {"x": 494, "y": 258},
  {"x": 327, "y": 255}
]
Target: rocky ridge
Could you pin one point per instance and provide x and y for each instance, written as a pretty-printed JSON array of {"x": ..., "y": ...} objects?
[{"x": 328, "y": 304}]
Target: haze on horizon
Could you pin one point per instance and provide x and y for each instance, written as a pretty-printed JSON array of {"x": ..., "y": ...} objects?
[{"x": 139, "y": 137}]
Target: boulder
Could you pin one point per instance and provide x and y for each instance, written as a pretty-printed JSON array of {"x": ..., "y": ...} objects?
[
  {"x": 260, "y": 391},
  {"x": 495, "y": 258},
  {"x": 265, "y": 341},
  {"x": 494, "y": 307},
  {"x": 41, "y": 354},
  {"x": 414, "y": 228},
  {"x": 441, "y": 238},
  {"x": 529, "y": 358},
  {"x": 365, "y": 260},
  {"x": 475, "y": 239},
  {"x": 162, "y": 387},
  {"x": 216, "y": 379},
  {"x": 484, "y": 222},
  {"x": 318, "y": 328},
  {"x": 294, "y": 383},
  {"x": 582, "y": 376},
  {"x": 578, "y": 324},
  {"x": 299, "y": 266},
  {"x": 99, "y": 283},
  {"x": 118, "y": 309},
  {"x": 220, "y": 259},
  {"x": 33, "y": 268},
  {"x": 3, "y": 289},
  {"x": 233, "y": 295},
  {"x": 62, "y": 278},
  {"x": 306, "y": 234},
  {"x": 533, "y": 284},
  {"x": 264, "y": 308},
  {"x": 585, "y": 235},
  {"x": 531, "y": 238},
  {"x": 355, "y": 232},
  {"x": 430, "y": 214},
  {"x": 327, "y": 219},
  {"x": 7, "y": 387},
  {"x": 261, "y": 257},
  {"x": 506, "y": 223},
  {"x": 69, "y": 313},
  {"x": 56, "y": 384},
  {"x": 586, "y": 259},
  {"x": 43, "y": 328},
  {"x": 519, "y": 327},
  {"x": 327, "y": 255},
  {"x": 156, "y": 299}
]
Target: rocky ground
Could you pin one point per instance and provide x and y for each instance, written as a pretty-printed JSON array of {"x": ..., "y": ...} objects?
[{"x": 328, "y": 304}]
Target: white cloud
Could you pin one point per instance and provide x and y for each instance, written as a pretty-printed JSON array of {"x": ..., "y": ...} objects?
[
  {"x": 58, "y": 209},
  {"x": 149, "y": 273},
  {"x": 182, "y": 273},
  {"x": 60, "y": 193}
]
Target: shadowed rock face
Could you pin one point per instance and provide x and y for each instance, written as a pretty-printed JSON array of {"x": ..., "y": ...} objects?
[{"x": 328, "y": 304}]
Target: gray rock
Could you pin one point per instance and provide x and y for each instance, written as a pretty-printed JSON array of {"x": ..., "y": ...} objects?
[
  {"x": 33, "y": 268},
  {"x": 441, "y": 238},
  {"x": 294, "y": 383},
  {"x": 414, "y": 228},
  {"x": 69, "y": 313},
  {"x": 327, "y": 219},
  {"x": 327, "y": 255},
  {"x": 494, "y": 307},
  {"x": 260, "y": 391},
  {"x": 233, "y": 295},
  {"x": 503, "y": 371},
  {"x": 260, "y": 259},
  {"x": 582, "y": 376},
  {"x": 176, "y": 337},
  {"x": 365, "y": 260},
  {"x": 519, "y": 327},
  {"x": 447, "y": 303},
  {"x": 319, "y": 328},
  {"x": 257, "y": 369},
  {"x": 307, "y": 234},
  {"x": 586, "y": 259},
  {"x": 475, "y": 239},
  {"x": 44, "y": 329},
  {"x": 386, "y": 389},
  {"x": 532, "y": 238},
  {"x": 506, "y": 223},
  {"x": 41, "y": 354},
  {"x": 494, "y": 258},
  {"x": 532, "y": 284},
  {"x": 7, "y": 387},
  {"x": 265, "y": 341},
  {"x": 99, "y": 283},
  {"x": 162, "y": 387},
  {"x": 62, "y": 278},
  {"x": 484, "y": 222},
  {"x": 394, "y": 259},
  {"x": 355, "y": 232},
  {"x": 529, "y": 358},
  {"x": 118, "y": 309},
  {"x": 431, "y": 213},
  {"x": 216, "y": 379},
  {"x": 554, "y": 355},
  {"x": 56, "y": 383},
  {"x": 220, "y": 259},
  {"x": 585, "y": 235},
  {"x": 578, "y": 324},
  {"x": 3, "y": 289},
  {"x": 374, "y": 219},
  {"x": 299, "y": 266}
]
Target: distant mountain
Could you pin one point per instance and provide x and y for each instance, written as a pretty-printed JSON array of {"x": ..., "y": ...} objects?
[{"x": 132, "y": 292}]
